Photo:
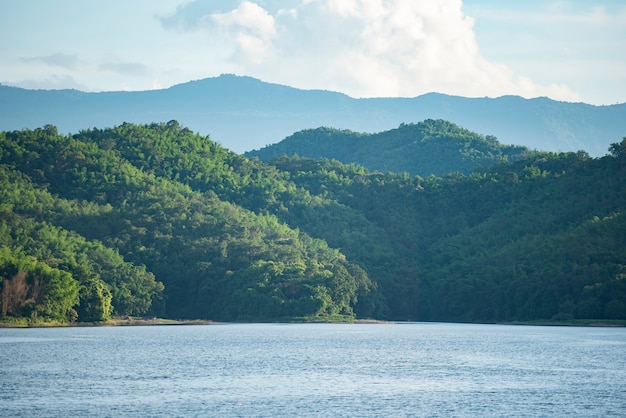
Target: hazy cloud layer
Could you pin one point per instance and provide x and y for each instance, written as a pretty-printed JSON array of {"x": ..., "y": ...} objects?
[
  {"x": 362, "y": 48},
  {"x": 125, "y": 68},
  {"x": 53, "y": 81},
  {"x": 67, "y": 61}
]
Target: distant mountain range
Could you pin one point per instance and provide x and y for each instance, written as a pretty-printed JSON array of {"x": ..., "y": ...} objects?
[{"x": 243, "y": 113}]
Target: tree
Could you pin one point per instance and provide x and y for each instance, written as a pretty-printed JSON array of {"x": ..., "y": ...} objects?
[
  {"x": 95, "y": 302},
  {"x": 618, "y": 150}
]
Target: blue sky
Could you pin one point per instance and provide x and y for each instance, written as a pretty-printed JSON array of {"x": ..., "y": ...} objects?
[{"x": 570, "y": 50}]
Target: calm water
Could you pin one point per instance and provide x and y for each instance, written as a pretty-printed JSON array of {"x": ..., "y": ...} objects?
[{"x": 314, "y": 370}]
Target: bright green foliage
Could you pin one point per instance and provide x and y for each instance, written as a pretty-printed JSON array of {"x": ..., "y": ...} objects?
[
  {"x": 95, "y": 302},
  {"x": 35, "y": 290},
  {"x": 157, "y": 220},
  {"x": 430, "y": 147},
  {"x": 173, "y": 201},
  {"x": 135, "y": 289}
]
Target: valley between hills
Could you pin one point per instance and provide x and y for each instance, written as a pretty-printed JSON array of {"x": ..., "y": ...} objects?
[{"x": 428, "y": 221}]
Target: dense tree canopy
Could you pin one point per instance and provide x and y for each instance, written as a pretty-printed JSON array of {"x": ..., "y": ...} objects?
[
  {"x": 430, "y": 147},
  {"x": 157, "y": 220},
  {"x": 149, "y": 195}
]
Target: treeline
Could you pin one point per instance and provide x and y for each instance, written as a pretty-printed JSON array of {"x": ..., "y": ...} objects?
[
  {"x": 157, "y": 220},
  {"x": 430, "y": 147}
]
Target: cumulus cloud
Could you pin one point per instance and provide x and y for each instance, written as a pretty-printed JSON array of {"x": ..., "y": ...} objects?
[
  {"x": 365, "y": 48},
  {"x": 250, "y": 27}
]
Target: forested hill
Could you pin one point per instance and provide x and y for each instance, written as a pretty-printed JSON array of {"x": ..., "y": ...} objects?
[
  {"x": 158, "y": 220},
  {"x": 429, "y": 147},
  {"x": 244, "y": 113},
  {"x": 140, "y": 220}
]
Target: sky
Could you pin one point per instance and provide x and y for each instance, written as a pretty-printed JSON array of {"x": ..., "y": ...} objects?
[{"x": 569, "y": 50}]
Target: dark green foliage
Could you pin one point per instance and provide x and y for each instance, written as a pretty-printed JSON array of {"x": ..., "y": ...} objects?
[
  {"x": 430, "y": 147},
  {"x": 161, "y": 197},
  {"x": 539, "y": 238},
  {"x": 157, "y": 220}
]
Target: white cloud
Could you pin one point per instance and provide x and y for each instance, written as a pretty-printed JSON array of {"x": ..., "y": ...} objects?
[
  {"x": 564, "y": 49},
  {"x": 248, "y": 17},
  {"x": 250, "y": 27},
  {"x": 365, "y": 48}
]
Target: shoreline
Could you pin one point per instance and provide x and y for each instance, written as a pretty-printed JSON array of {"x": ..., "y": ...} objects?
[
  {"x": 130, "y": 322},
  {"x": 116, "y": 322},
  {"x": 121, "y": 322},
  {"x": 599, "y": 323}
]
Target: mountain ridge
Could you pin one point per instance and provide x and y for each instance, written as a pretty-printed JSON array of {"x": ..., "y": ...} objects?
[
  {"x": 244, "y": 113},
  {"x": 430, "y": 147}
]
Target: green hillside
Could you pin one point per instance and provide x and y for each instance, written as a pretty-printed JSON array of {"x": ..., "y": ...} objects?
[
  {"x": 157, "y": 220},
  {"x": 430, "y": 147},
  {"x": 120, "y": 191},
  {"x": 539, "y": 239}
]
